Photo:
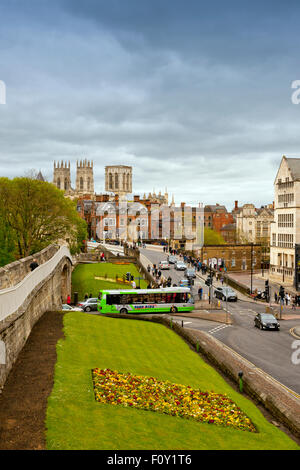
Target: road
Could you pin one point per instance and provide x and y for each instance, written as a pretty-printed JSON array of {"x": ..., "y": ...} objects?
[{"x": 271, "y": 351}]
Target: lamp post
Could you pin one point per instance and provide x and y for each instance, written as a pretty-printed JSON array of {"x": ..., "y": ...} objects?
[{"x": 251, "y": 272}]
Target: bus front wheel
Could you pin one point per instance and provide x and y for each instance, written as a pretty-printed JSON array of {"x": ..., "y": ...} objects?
[{"x": 124, "y": 311}]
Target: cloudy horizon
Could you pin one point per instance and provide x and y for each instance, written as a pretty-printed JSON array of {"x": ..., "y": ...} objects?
[{"x": 195, "y": 96}]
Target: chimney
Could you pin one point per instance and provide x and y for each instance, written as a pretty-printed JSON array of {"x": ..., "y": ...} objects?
[{"x": 236, "y": 205}]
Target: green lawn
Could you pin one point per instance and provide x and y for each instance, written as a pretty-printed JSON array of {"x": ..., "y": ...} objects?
[
  {"x": 76, "y": 421},
  {"x": 84, "y": 282}
]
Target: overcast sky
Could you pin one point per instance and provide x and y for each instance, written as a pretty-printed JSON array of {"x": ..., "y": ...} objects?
[{"x": 195, "y": 95}]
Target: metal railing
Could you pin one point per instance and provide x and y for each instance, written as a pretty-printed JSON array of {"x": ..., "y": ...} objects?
[{"x": 12, "y": 298}]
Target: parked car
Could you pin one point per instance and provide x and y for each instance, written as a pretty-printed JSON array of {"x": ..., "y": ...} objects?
[
  {"x": 164, "y": 265},
  {"x": 190, "y": 273},
  {"x": 89, "y": 305},
  {"x": 266, "y": 321},
  {"x": 172, "y": 259},
  {"x": 68, "y": 307},
  {"x": 225, "y": 293},
  {"x": 180, "y": 266}
]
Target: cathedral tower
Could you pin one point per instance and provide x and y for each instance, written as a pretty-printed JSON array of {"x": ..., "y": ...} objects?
[
  {"x": 85, "y": 177},
  {"x": 62, "y": 176},
  {"x": 118, "y": 179}
]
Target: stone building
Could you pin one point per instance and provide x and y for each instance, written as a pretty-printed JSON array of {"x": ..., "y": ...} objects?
[
  {"x": 233, "y": 257},
  {"x": 228, "y": 233},
  {"x": 62, "y": 176},
  {"x": 285, "y": 230},
  {"x": 84, "y": 178},
  {"x": 118, "y": 179},
  {"x": 254, "y": 225}
]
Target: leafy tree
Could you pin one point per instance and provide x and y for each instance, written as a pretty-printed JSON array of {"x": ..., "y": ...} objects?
[
  {"x": 38, "y": 214},
  {"x": 211, "y": 237},
  {"x": 7, "y": 241}
]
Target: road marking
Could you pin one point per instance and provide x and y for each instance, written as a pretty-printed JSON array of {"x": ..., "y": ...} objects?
[
  {"x": 218, "y": 328},
  {"x": 293, "y": 333}
]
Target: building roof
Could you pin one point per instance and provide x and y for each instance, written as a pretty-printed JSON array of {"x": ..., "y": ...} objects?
[
  {"x": 294, "y": 166},
  {"x": 39, "y": 176},
  {"x": 229, "y": 227},
  {"x": 214, "y": 208}
]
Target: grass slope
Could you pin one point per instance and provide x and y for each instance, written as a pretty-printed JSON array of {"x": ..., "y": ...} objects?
[
  {"x": 76, "y": 421},
  {"x": 84, "y": 282}
]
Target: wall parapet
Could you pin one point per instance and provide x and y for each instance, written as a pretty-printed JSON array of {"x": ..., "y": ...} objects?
[
  {"x": 13, "y": 273},
  {"x": 12, "y": 298}
]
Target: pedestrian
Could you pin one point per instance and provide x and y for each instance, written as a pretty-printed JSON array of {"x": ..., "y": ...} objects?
[
  {"x": 275, "y": 297},
  {"x": 286, "y": 299},
  {"x": 294, "y": 303},
  {"x": 69, "y": 300},
  {"x": 86, "y": 296},
  {"x": 33, "y": 265},
  {"x": 200, "y": 292}
]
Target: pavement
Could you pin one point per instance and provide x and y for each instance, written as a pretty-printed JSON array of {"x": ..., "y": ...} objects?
[{"x": 258, "y": 282}]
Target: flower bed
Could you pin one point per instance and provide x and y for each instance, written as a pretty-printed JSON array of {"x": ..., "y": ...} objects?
[{"x": 148, "y": 393}]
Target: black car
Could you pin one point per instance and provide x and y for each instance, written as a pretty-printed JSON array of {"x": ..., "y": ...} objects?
[
  {"x": 225, "y": 293},
  {"x": 266, "y": 321},
  {"x": 89, "y": 305}
]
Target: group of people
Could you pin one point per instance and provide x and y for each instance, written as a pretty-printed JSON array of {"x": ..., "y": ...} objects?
[
  {"x": 288, "y": 299},
  {"x": 160, "y": 280}
]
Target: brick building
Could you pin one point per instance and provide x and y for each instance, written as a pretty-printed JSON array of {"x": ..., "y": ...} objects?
[
  {"x": 233, "y": 257},
  {"x": 216, "y": 216}
]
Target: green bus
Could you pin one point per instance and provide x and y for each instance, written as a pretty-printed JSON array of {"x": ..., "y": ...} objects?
[{"x": 167, "y": 300}]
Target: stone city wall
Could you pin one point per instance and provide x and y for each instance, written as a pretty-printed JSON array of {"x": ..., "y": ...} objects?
[{"x": 13, "y": 273}]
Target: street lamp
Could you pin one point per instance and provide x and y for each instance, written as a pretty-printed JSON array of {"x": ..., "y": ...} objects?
[{"x": 251, "y": 275}]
